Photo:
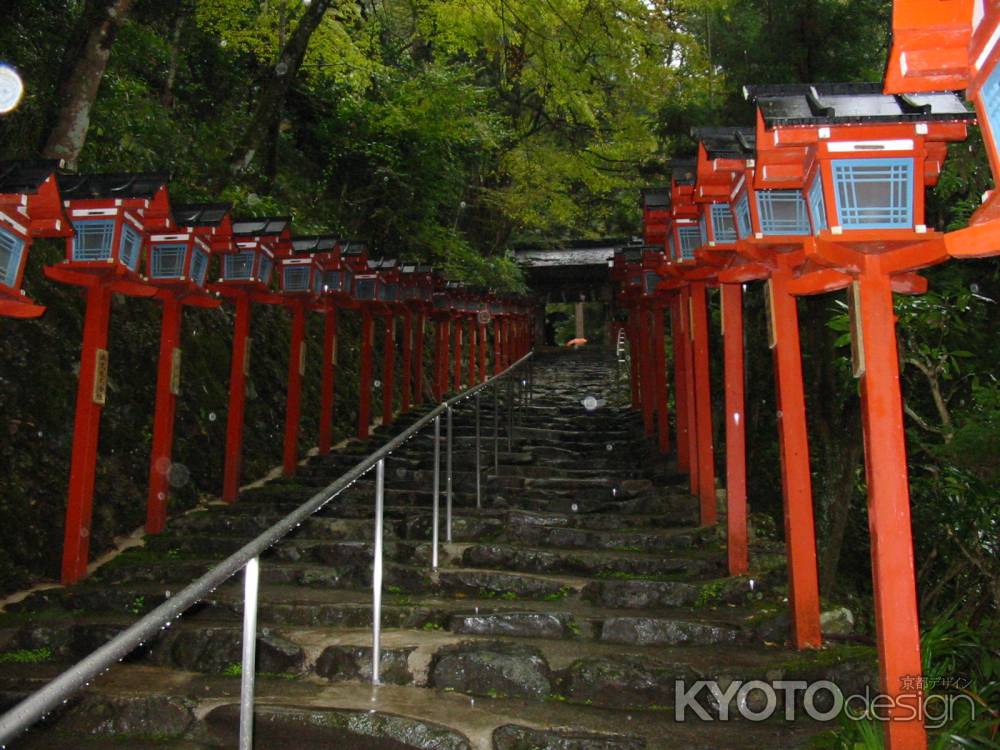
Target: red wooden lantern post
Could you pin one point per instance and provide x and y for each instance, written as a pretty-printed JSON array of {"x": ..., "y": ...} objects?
[
  {"x": 721, "y": 161},
  {"x": 336, "y": 293},
  {"x": 459, "y": 296},
  {"x": 177, "y": 264},
  {"x": 417, "y": 289},
  {"x": 246, "y": 278},
  {"x": 366, "y": 293},
  {"x": 30, "y": 207},
  {"x": 301, "y": 281},
  {"x": 110, "y": 215},
  {"x": 683, "y": 240},
  {"x": 441, "y": 315},
  {"x": 656, "y": 220},
  {"x": 390, "y": 305},
  {"x": 866, "y": 159}
]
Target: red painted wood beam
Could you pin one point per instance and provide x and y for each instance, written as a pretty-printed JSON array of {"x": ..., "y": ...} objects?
[
  {"x": 328, "y": 378},
  {"x": 793, "y": 440},
  {"x": 690, "y": 398},
  {"x": 293, "y": 403},
  {"x": 163, "y": 420},
  {"x": 388, "y": 368},
  {"x": 497, "y": 345},
  {"x": 238, "y": 369},
  {"x": 456, "y": 328},
  {"x": 473, "y": 350},
  {"x": 736, "y": 463},
  {"x": 677, "y": 335},
  {"x": 703, "y": 403},
  {"x": 896, "y": 622},
  {"x": 86, "y": 432},
  {"x": 365, "y": 374},
  {"x": 647, "y": 389},
  {"x": 406, "y": 368},
  {"x": 482, "y": 353},
  {"x": 660, "y": 364},
  {"x": 418, "y": 359}
]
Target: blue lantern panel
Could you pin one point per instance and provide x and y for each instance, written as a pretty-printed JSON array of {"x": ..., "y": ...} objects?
[
  {"x": 782, "y": 212},
  {"x": 296, "y": 278},
  {"x": 874, "y": 193},
  {"x": 11, "y": 250},
  {"x": 167, "y": 261},
  {"x": 129, "y": 248},
  {"x": 690, "y": 238},
  {"x": 723, "y": 228},
  {"x": 703, "y": 229},
  {"x": 671, "y": 246},
  {"x": 238, "y": 266},
  {"x": 364, "y": 289},
  {"x": 743, "y": 223},
  {"x": 817, "y": 205},
  {"x": 989, "y": 94},
  {"x": 92, "y": 240},
  {"x": 266, "y": 269},
  {"x": 652, "y": 279},
  {"x": 199, "y": 266}
]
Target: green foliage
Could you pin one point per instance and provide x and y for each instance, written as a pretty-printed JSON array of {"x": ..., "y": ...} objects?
[{"x": 26, "y": 656}]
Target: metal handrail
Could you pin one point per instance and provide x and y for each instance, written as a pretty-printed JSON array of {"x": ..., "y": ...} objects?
[{"x": 37, "y": 705}]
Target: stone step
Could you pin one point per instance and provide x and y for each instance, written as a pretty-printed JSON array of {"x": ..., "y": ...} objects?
[
  {"x": 202, "y": 711},
  {"x": 601, "y": 673}
]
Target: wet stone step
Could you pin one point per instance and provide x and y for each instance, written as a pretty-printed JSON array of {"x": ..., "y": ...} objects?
[{"x": 497, "y": 556}]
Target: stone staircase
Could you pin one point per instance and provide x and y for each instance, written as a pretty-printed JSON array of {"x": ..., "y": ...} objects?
[{"x": 561, "y": 616}]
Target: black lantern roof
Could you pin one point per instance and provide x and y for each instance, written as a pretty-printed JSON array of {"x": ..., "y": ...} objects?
[
  {"x": 631, "y": 254},
  {"x": 851, "y": 103},
  {"x": 25, "y": 176},
  {"x": 727, "y": 142},
  {"x": 200, "y": 214},
  {"x": 383, "y": 264},
  {"x": 319, "y": 243},
  {"x": 656, "y": 197},
  {"x": 353, "y": 247},
  {"x": 684, "y": 171},
  {"x": 260, "y": 227},
  {"x": 141, "y": 185}
]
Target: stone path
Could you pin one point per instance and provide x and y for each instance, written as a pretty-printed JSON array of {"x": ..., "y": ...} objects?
[{"x": 561, "y": 615}]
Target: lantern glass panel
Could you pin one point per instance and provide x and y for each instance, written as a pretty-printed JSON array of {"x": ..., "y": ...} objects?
[
  {"x": 317, "y": 283},
  {"x": 989, "y": 95},
  {"x": 743, "y": 223},
  {"x": 331, "y": 279},
  {"x": 703, "y": 229},
  {"x": 690, "y": 237},
  {"x": 296, "y": 279},
  {"x": 129, "y": 248},
  {"x": 364, "y": 289},
  {"x": 11, "y": 249},
  {"x": 92, "y": 240},
  {"x": 238, "y": 266},
  {"x": 167, "y": 261},
  {"x": 652, "y": 279},
  {"x": 723, "y": 228},
  {"x": 874, "y": 193},
  {"x": 782, "y": 212},
  {"x": 199, "y": 266},
  {"x": 817, "y": 206},
  {"x": 266, "y": 267},
  {"x": 672, "y": 247}
]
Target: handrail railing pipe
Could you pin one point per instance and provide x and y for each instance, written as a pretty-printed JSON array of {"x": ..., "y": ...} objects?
[
  {"x": 479, "y": 471},
  {"x": 377, "y": 571},
  {"x": 448, "y": 480},
  {"x": 436, "y": 502},
  {"x": 496, "y": 432},
  {"x": 40, "y": 703},
  {"x": 248, "y": 667}
]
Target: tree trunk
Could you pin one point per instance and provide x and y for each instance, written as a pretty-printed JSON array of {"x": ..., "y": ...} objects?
[
  {"x": 167, "y": 95},
  {"x": 79, "y": 92},
  {"x": 269, "y": 105}
]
